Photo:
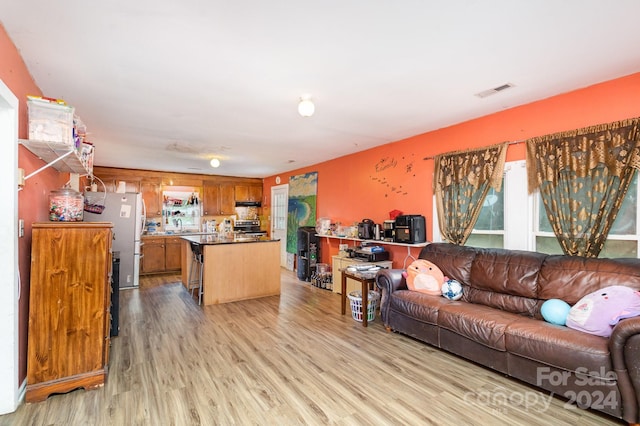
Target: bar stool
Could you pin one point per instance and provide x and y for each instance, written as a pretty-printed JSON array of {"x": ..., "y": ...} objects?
[{"x": 195, "y": 279}]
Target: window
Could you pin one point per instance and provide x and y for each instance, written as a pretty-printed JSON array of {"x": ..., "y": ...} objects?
[
  {"x": 515, "y": 220},
  {"x": 500, "y": 225},
  {"x": 623, "y": 239},
  {"x": 489, "y": 228}
]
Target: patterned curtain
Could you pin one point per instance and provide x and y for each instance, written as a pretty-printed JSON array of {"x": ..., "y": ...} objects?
[
  {"x": 583, "y": 176},
  {"x": 461, "y": 183}
]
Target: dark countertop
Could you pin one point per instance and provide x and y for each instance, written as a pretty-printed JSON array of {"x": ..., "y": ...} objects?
[
  {"x": 163, "y": 234},
  {"x": 212, "y": 239}
]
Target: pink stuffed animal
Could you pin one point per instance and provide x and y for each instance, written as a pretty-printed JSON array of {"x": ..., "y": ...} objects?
[
  {"x": 425, "y": 277},
  {"x": 598, "y": 312}
]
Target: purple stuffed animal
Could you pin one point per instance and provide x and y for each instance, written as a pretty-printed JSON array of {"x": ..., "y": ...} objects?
[{"x": 597, "y": 312}]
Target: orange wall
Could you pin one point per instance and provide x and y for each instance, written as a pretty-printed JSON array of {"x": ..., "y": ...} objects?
[
  {"x": 33, "y": 199},
  {"x": 371, "y": 183}
]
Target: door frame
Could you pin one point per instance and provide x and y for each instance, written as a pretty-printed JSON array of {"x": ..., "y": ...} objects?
[
  {"x": 10, "y": 278},
  {"x": 281, "y": 234}
]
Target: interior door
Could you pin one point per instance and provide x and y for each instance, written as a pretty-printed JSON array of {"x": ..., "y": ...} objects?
[{"x": 279, "y": 202}]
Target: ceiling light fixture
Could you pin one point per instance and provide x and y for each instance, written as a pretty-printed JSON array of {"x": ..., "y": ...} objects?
[
  {"x": 306, "y": 108},
  {"x": 215, "y": 162}
]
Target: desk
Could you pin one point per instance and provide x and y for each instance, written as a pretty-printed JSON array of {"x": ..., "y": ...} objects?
[
  {"x": 366, "y": 279},
  {"x": 339, "y": 264}
]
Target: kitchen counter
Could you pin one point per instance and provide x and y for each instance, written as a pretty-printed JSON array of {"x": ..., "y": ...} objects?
[{"x": 235, "y": 268}]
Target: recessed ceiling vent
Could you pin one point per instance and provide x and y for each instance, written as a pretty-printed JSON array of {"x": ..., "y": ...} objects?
[{"x": 495, "y": 90}]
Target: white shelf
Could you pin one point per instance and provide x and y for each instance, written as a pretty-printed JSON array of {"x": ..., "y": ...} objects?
[
  {"x": 61, "y": 157},
  {"x": 381, "y": 242}
]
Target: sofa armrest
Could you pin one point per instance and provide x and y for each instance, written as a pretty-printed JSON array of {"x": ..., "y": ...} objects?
[
  {"x": 391, "y": 280},
  {"x": 388, "y": 281},
  {"x": 624, "y": 345}
]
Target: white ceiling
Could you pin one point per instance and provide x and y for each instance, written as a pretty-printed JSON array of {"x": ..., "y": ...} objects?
[{"x": 168, "y": 84}]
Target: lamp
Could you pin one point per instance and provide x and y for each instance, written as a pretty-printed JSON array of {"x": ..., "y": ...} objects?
[
  {"x": 306, "y": 108},
  {"x": 215, "y": 162}
]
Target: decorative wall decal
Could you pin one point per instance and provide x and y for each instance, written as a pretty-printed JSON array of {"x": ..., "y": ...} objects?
[
  {"x": 385, "y": 163},
  {"x": 388, "y": 170}
]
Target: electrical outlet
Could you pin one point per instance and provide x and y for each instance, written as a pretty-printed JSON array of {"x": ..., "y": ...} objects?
[
  {"x": 21, "y": 228},
  {"x": 128, "y": 278},
  {"x": 343, "y": 247}
]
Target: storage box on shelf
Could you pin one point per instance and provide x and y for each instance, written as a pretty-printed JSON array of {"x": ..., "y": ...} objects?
[
  {"x": 54, "y": 138},
  {"x": 50, "y": 121}
]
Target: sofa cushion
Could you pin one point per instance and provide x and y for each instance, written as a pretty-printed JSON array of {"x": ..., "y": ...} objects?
[
  {"x": 509, "y": 272},
  {"x": 505, "y": 280},
  {"x": 505, "y": 302},
  {"x": 454, "y": 261},
  {"x": 558, "y": 346},
  {"x": 479, "y": 323},
  {"x": 420, "y": 306},
  {"x": 569, "y": 278}
]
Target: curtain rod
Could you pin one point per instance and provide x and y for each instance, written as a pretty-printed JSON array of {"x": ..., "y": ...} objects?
[{"x": 508, "y": 143}]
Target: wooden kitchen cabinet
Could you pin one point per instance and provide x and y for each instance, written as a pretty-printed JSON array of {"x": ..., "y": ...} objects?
[
  {"x": 152, "y": 196},
  {"x": 218, "y": 198},
  {"x": 69, "y": 307},
  {"x": 172, "y": 252},
  {"x": 161, "y": 254},
  {"x": 153, "y": 256},
  {"x": 248, "y": 192},
  {"x": 111, "y": 184}
]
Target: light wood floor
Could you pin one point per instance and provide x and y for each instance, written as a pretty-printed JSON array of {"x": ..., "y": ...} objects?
[{"x": 284, "y": 360}]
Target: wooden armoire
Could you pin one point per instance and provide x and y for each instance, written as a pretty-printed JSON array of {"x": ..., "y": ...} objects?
[{"x": 69, "y": 319}]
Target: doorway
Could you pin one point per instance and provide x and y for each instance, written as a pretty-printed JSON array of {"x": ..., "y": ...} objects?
[{"x": 279, "y": 205}]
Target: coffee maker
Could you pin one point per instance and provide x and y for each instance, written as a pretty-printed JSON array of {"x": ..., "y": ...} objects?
[{"x": 388, "y": 230}]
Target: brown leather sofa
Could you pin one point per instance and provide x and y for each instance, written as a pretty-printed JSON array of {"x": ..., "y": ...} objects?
[{"x": 498, "y": 323}]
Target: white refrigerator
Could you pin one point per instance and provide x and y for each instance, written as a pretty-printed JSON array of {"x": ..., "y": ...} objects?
[{"x": 126, "y": 212}]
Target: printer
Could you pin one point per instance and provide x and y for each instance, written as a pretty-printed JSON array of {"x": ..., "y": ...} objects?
[{"x": 371, "y": 254}]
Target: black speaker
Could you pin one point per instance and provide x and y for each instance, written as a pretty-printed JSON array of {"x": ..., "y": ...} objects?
[{"x": 308, "y": 252}]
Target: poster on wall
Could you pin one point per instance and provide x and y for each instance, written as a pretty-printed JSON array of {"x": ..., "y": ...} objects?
[{"x": 301, "y": 210}]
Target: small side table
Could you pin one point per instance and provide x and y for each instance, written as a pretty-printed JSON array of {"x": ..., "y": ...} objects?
[{"x": 367, "y": 279}]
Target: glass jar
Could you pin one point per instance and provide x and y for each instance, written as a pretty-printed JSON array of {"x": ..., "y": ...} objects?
[{"x": 66, "y": 205}]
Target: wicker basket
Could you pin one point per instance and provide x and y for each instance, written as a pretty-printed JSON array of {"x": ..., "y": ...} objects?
[{"x": 94, "y": 201}]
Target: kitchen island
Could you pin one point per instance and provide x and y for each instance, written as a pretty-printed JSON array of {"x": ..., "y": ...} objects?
[{"x": 234, "y": 268}]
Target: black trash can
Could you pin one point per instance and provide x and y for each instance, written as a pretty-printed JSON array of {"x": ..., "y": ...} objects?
[{"x": 115, "y": 293}]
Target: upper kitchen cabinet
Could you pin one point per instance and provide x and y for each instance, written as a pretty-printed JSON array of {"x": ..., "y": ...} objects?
[
  {"x": 151, "y": 190},
  {"x": 248, "y": 192},
  {"x": 111, "y": 184},
  {"x": 182, "y": 181},
  {"x": 218, "y": 198}
]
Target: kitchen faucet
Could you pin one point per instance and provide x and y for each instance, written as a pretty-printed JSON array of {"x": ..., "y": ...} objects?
[{"x": 175, "y": 223}]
